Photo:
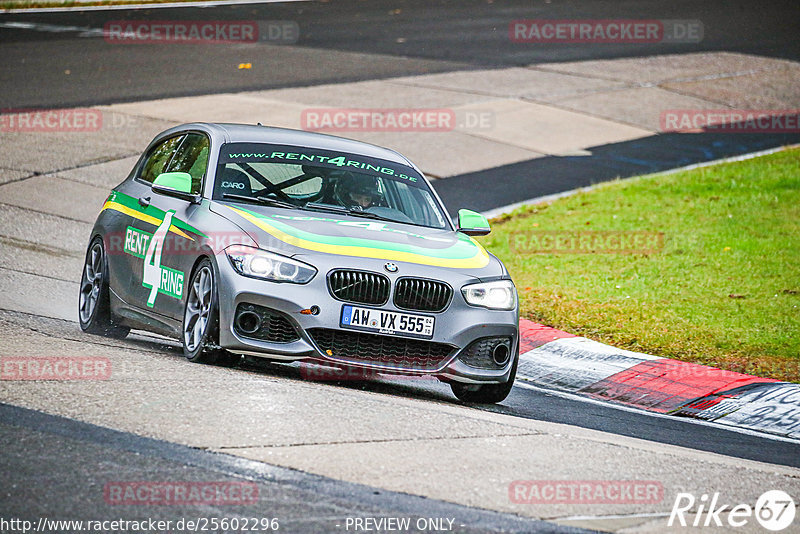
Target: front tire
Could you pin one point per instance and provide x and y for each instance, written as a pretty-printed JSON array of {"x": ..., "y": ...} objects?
[
  {"x": 200, "y": 332},
  {"x": 487, "y": 393},
  {"x": 94, "y": 306}
]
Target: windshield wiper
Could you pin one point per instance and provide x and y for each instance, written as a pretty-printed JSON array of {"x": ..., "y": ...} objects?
[
  {"x": 370, "y": 215},
  {"x": 261, "y": 200},
  {"x": 314, "y": 206},
  {"x": 345, "y": 211},
  {"x": 324, "y": 207}
]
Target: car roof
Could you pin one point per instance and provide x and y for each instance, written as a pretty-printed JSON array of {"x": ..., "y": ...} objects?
[{"x": 250, "y": 133}]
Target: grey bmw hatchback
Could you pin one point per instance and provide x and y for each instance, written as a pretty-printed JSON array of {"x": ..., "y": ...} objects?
[{"x": 291, "y": 246}]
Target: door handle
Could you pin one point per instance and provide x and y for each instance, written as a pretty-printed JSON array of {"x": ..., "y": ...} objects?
[{"x": 144, "y": 201}]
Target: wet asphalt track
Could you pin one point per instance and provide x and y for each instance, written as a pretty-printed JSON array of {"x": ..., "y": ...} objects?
[
  {"x": 396, "y": 37},
  {"x": 57, "y": 468},
  {"x": 46, "y": 453},
  {"x": 390, "y": 38}
]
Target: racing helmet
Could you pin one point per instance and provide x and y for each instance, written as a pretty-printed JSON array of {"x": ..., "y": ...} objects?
[{"x": 357, "y": 190}]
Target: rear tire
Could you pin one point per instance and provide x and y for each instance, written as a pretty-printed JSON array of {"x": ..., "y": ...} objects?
[
  {"x": 200, "y": 332},
  {"x": 94, "y": 306},
  {"x": 487, "y": 393}
]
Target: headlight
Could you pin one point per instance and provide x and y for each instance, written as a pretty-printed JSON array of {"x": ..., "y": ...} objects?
[
  {"x": 499, "y": 295},
  {"x": 250, "y": 261}
]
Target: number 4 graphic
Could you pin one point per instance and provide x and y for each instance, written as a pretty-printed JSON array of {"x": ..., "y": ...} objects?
[{"x": 151, "y": 277}]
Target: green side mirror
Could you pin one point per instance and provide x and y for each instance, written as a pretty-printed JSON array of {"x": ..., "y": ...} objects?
[
  {"x": 175, "y": 184},
  {"x": 472, "y": 223},
  {"x": 179, "y": 181}
]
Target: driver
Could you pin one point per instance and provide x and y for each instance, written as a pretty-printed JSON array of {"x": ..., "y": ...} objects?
[{"x": 358, "y": 190}]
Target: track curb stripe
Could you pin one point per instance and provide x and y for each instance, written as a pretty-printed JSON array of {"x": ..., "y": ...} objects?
[
  {"x": 533, "y": 335},
  {"x": 558, "y": 360},
  {"x": 667, "y": 385},
  {"x": 769, "y": 407},
  {"x": 572, "y": 364}
]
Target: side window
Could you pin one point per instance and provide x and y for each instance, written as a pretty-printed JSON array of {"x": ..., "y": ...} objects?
[
  {"x": 158, "y": 159},
  {"x": 192, "y": 157}
]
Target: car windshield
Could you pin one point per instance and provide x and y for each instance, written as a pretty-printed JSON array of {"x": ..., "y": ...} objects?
[{"x": 319, "y": 180}]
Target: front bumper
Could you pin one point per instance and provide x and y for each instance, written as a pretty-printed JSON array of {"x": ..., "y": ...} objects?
[{"x": 457, "y": 326}]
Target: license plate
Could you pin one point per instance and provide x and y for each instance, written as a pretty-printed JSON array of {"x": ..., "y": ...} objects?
[{"x": 386, "y": 322}]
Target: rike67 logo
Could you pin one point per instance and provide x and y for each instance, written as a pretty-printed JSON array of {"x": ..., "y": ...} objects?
[{"x": 774, "y": 510}]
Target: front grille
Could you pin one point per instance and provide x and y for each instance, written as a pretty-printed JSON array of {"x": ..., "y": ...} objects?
[
  {"x": 271, "y": 326},
  {"x": 420, "y": 294},
  {"x": 359, "y": 286},
  {"x": 479, "y": 353},
  {"x": 388, "y": 351}
]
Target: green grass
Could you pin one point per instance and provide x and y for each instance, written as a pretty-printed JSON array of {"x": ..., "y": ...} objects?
[{"x": 723, "y": 291}]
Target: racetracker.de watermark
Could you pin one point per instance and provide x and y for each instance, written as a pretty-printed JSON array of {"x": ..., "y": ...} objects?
[
  {"x": 623, "y": 31},
  {"x": 395, "y": 119},
  {"x": 138, "y": 242},
  {"x": 55, "y": 368},
  {"x": 70, "y": 120},
  {"x": 730, "y": 120},
  {"x": 201, "y": 31},
  {"x": 51, "y": 120},
  {"x": 585, "y": 242},
  {"x": 142, "y": 525},
  {"x": 180, "y": 493},
  {"x": 586, "y": 492}
]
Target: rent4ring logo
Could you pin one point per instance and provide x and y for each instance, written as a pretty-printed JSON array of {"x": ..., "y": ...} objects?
[
  {"x": 150, "y": 247},
  {"x": 774, "y": 510}
]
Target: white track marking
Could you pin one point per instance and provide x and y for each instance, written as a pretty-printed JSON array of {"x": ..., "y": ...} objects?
[
  {"x": 594, "y": 517},
  {"x": 212, "y": 3},
  {"x": 85, "y": 31}
]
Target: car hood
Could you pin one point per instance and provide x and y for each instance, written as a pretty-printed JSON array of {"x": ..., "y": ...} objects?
[{"x": 306, "y": 233}]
